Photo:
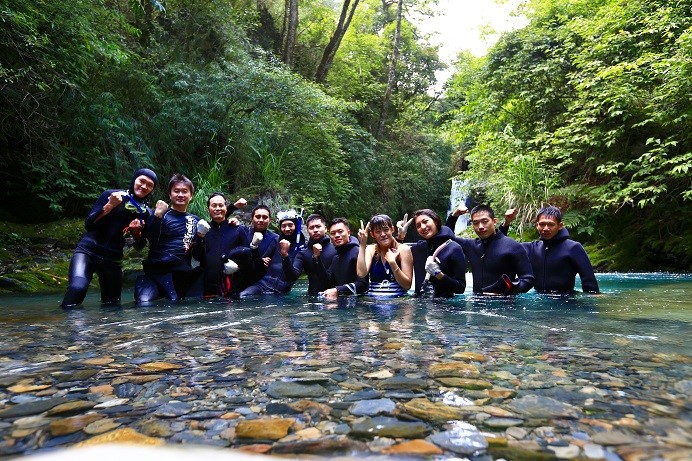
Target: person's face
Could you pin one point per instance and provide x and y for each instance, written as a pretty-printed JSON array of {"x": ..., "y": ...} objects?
[
  {"x": 383, "y": 236},
  {"x": 483, "y": 224},
  {"x": 217, "y": 209},
  {"x": 143, "y": 186},
  {"x": 339, "y": 234},
  {"x": 180, "y": 196},
  {"x": 548, "y": 226},
  {"x": 260, "y": 220},
  {"x": 288, "y": 228},
  {"x": 316, "y": 230},
  {"x": 426, "y": 227}
]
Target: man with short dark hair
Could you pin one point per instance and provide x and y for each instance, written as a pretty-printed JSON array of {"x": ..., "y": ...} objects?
[
  {"x": 555, "y": 258},
  {"x": 264, "y": 272},
  {"x": 171, "y": 233},
  {"x": 116, "y": 220},
  {"x": 341, "y": 276},
  {"x": 213, "y": 243},
  {"x": 319, "y": 249},
  {"x": 498, "y": 263}
]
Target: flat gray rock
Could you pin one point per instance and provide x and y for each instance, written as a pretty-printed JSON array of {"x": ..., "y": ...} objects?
[
  {"x": 31, "y": 408},
  {"x": 383, "y": 426},
  {"x": 463, "y": 438},
  {"x": 538, "y": 406},
  {"x": 283, "y": 389},
  {"x": 373, "y": 407}
]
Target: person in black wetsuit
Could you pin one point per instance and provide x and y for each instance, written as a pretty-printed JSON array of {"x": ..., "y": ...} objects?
[
  {"x": 498, "y": 263},
  {"x": 319, "y": 248},
  {"x": 116, "y": 217},
  {"x": 171, "y": 234},
  {"x": 290, "y": 227},
  {"x": 214, "y": 242},
  {"x": 555, "y": 258},
  {"x": 439, "y": 266},
  {"x": 341, "y": 276},
  {"x": 261, "y": 263}
]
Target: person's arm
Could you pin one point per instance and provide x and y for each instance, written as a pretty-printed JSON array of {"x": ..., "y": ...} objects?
[
  {"x": 153, "y": 228},
  {"x": 237, "y": 205},
  {"x": 400, "y": 262},
  {"x": 525, "y": 279},
  {"x": 293, "y": 271},
  {"x": 402, "y": 228},
  {"x": 454, "y": 217},
  {"x": 359, "y": 287},
  {"x": 324, "y": 274},
  {"x": 589, "y": 284},
  {"x": 365, "y": 255},
  {"x": 199, "y": 247},
  {"x": 455, "y": 264},
  {"x": 510, "y": 215},
  {"x": 101, "y": 207}
]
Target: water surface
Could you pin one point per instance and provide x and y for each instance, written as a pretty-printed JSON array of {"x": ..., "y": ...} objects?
[{"x": 618, "y": 362}]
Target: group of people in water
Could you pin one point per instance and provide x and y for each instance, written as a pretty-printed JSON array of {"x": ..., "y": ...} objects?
[{"x": 189, "y": 256}]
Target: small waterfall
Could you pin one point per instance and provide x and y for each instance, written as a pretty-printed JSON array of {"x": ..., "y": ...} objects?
[{"x": 459, "y": 193}]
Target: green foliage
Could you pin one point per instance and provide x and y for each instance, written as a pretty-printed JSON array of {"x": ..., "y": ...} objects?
[{"x": 587, "y": 108}]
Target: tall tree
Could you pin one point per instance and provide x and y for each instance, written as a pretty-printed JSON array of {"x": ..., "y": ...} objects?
[
  {"x": 291, "y": 30},
  {"x": 391, "y": 75},
  {"x": 347, "y": 10}
]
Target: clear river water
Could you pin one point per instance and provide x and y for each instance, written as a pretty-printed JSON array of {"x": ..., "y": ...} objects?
[{"x": 481, "y": 378}]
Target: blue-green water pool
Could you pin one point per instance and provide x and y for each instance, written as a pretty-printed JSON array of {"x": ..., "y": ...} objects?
[{"x": 615, "y": 363}]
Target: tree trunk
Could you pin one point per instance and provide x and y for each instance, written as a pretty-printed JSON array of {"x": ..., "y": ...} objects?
[
  {"x": 334, "y": 42},
  {"x": 391, "y": 78},
  {"x": 291, "y": 22}
]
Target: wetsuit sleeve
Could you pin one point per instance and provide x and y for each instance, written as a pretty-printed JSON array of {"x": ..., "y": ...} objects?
[
  {"x": 584, "y": 269},
  {"x": 348, "y": 264},
  {"x": 293, "y": 271},
  {"x": 451, "y": 221},
  {"x": 455, "y": 265},
  {"x": 323, "y": 274},
  {"x": 524, "y": 271},
  {"x": 90, "y": 223},
  {"x": 152, "y": 231},
  {"x": 199, "y": 250},
  {"x": 358, "y": 287}
]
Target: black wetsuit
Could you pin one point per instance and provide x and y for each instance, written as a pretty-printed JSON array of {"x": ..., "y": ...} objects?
[
  {"x": 213, "y": 250},
  {"x": 341, "y": 273},
  {"x": 167, "y": 269},
  {"x": 557, "y": 261},
  {"x": 260, "y": 278},
  {"x": 100, "y": 250},
  {"x": 452, "y": 265},
  {"x": 494, "y": 257},
  {"x": 305, "y": 262}
]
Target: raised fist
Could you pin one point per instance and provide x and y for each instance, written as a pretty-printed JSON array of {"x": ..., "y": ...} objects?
[
  {"x": 161, "y": 208},
  {"x": 202, "y": 227},
  {"x": 256, "y": 240},
  {"x": 284, "y": 246}
]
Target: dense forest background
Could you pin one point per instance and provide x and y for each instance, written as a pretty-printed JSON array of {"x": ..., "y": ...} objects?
[{"x": 328, "y": 105}]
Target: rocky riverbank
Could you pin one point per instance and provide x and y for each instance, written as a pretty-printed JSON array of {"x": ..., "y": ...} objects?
[{"x": 35, "y": 258}]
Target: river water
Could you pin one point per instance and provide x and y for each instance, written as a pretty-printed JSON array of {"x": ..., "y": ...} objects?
[{"x": 599, "y": 377}]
